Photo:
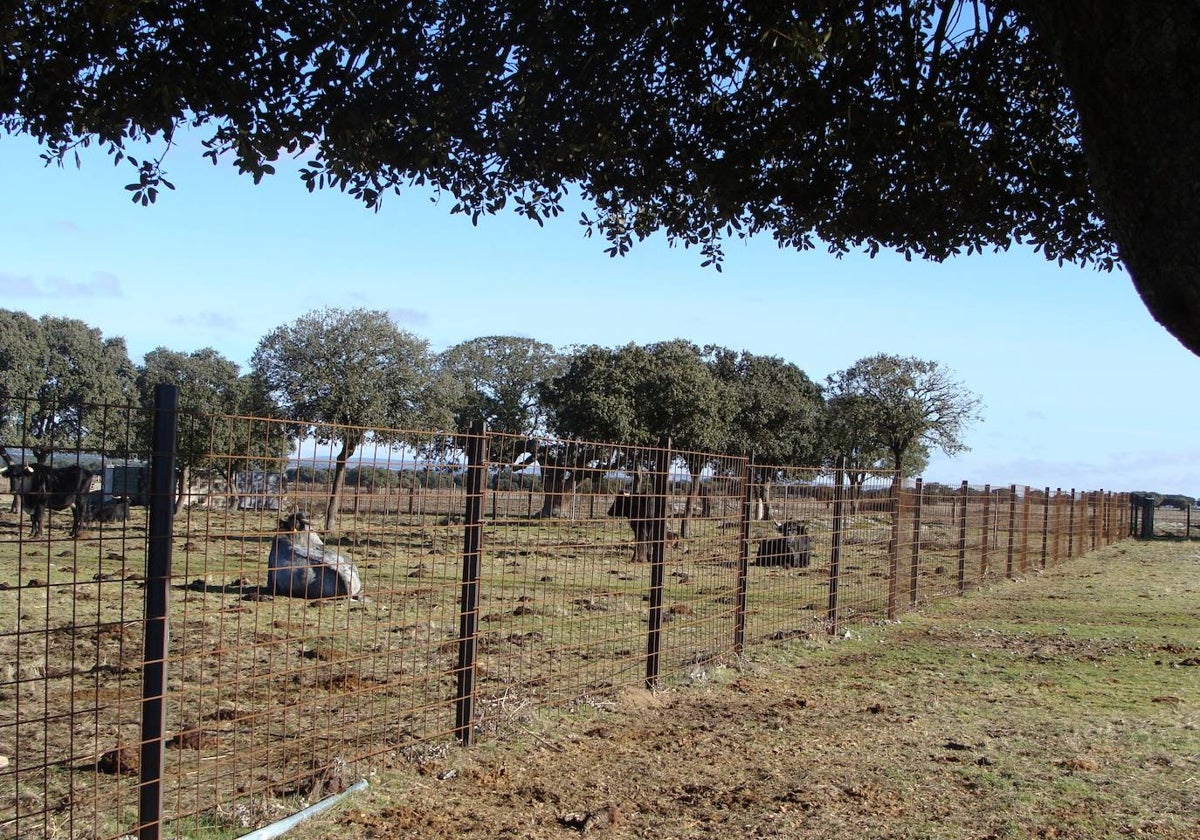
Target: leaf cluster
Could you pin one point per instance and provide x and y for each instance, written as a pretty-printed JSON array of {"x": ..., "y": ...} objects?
[{"x": 930, "y": 127}]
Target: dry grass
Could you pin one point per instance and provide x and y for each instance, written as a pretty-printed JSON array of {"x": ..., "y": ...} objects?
[{"x": 1062, "y": 705}]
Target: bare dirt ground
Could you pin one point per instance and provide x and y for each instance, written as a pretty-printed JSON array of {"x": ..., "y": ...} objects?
[{"x": 1063, "y": 705}]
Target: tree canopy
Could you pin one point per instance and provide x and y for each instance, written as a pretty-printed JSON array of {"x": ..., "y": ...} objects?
[
  {"x": 496, "y": 378},
  {"x": 931, "y": 127},
  {"x": 212, "y": 391},
  {"x": 63, "y": 385},
  {"x": 890, "y": 411},
  {"x": 343, "y": 373}
]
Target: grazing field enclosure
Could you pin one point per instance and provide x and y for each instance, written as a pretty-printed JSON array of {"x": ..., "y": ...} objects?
[{"x": 155, "y": 685}]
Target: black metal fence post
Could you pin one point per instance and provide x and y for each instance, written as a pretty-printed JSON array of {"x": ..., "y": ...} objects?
[
  {"x": 835, "y": 551},
  {"x": 743, "y": 573},
  {"x": 159, "y": 533},
  {"x": 658, "y": 540},
  {"x": 468, "y": 612}
]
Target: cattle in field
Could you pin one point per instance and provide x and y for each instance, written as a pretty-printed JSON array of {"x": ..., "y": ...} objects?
[
  {"x": 638, "y": 508},
  {"x": 300, "y": 566},
  {"x": 54, "y": 488},
  {"x": 790, "y": 550},
  {"x": 114, "y": 510}
]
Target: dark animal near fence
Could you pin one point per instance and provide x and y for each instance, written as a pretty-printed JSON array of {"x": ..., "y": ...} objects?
[
  {"x": 638, "y": 508},
  {"x": 791, "y": 550},
  {"x": 300, "y": 566},
  {"x": 115, "y": 510},
  {"x": 56, "y": 488}
]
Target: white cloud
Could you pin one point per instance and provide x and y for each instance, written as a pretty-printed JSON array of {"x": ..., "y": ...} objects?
[
  {"x": 206, "y": 320},
  {"x": 409, "y": 317},
  {"x": 100, "y": 284}
]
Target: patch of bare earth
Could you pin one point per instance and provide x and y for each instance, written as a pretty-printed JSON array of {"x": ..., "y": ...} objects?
[{"x": 957, "y": 722}]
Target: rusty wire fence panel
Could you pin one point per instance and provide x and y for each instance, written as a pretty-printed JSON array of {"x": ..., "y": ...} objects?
[
  {"x": 565, "y": 581},
  {"x": 785, "y": 601},
  {"x": 273, "y": 697},
  {"x": 581, "y": 591},
  {"x": 702, "y": 562},
  {"x": 71, "y": 641},
  {"x": 850, "y": 560}
]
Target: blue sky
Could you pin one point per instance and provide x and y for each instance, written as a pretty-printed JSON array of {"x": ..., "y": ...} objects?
[{"x": 1081, "y": 388}]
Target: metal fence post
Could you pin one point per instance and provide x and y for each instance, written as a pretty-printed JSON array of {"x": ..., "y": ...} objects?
[
  {"x": 1012, "y": 530},
  {"x": 894, "y": 546},
  {"x": 914, "y": 569},
  {"x": 1071, "y": 527},
  {"x": 1045, "y": 525},
  {"x": 1025, "y": 503},
  {"x": 835, "y": 551},
  {"x": 157, "y": 619},
  {"x": 986, "y": 532},
  {"x": 739, "y": 601},
  {"x": 962, "y": 539},
  {"x": 468, "y": 614},
  {"x": 658, "y": 539}
]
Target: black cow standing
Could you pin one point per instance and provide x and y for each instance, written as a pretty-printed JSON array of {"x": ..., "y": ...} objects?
[
  {"x": 638, "y": 509},
  {"x": 56, "y": 488},
  {"x": 791, "y": 550}
]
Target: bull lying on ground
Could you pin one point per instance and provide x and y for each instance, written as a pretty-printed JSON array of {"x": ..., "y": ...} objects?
[
  {"x": 57, "y": 488},
  {"x": 791, "y": 550},
  {"x": 300, "y": 566}
]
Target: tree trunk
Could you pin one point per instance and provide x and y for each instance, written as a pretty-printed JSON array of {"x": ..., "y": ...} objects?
[
  {"x": 230, "y": 474},
  {"x": 183, "y": 477},
  {"x": 557, "y": 484},
  {"x": 339, "y": 481},
  {"x": 1133, "y": 74},
  {"x": 693, "y": 494}
]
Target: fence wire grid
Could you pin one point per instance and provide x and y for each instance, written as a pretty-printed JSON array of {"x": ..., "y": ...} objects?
[{"x": 499, "y": 574}]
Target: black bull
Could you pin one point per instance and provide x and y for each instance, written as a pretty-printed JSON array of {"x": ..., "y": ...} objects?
[
  {"x": 639, "y": 510},
  {"x": 57, "y": 488}
]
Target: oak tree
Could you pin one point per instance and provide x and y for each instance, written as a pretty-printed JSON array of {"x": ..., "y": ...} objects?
[
  {"x": 889, "y": 411},
  {"x": 929, "y": 127},
  {"x": 340, "y": 375}
]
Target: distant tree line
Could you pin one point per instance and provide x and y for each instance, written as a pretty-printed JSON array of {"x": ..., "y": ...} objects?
[{"x": 343, "y": 376}]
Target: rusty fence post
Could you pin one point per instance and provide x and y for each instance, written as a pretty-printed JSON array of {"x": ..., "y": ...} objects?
[
  {"x": 1012, "y": 530},
  {"x": 835, "y": 550},
  {"x": 468, "y": 611},
  {"x": 1058, "y": 525},
  {"x": 962, "y": 539},
  {"x": 156, "y": 626},
  {"x": 894, "y": 547},
  {"x": 1045, "y": 526},
  {"x": 658, "y": 539},
  {"x": 1071, "y": 526},
  {"x": 739, "y": 601},
  {"x": 914, "y": 568},
  {"x": 986, "y": 532},
  {"x": 1026, "y": 501}
]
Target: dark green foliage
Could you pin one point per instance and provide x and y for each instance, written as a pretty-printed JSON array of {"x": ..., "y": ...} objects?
[
  {"x": 338, "y": 374},
  {"x": 495, "y": 379},
  {"x": 774, "y": 410},
  {"x": 80, "y": 386},
  {"x": 928, "y": 127},
  {"x": 886, "y": 412}
]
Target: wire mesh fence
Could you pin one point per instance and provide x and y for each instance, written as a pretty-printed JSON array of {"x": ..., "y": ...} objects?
[{"x": 446, "y": 580}]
